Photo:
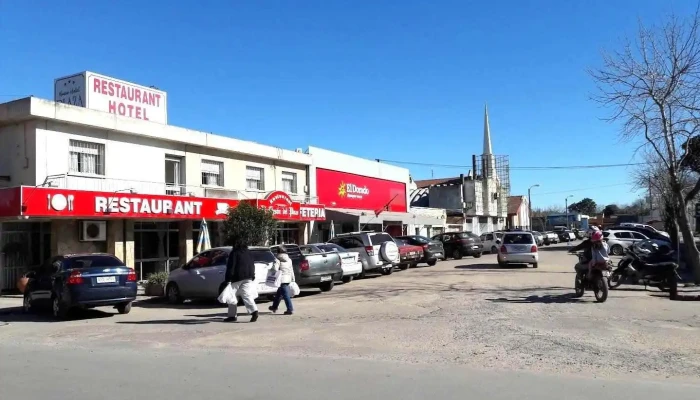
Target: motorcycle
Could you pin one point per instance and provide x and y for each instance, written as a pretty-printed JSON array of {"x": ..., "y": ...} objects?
[
  {"x": 597, "y": 282},
  {"x": 645, "y": 263}
]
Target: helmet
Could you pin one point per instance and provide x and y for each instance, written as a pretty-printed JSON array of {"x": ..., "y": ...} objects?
[
  {"x": 596, "y": 236},
  {"x": 594, "y": 228}
]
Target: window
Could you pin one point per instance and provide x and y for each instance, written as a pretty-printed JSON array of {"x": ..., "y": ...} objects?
[
  {"x": 289, "y": 182},
  {"x": 173, "y": 172},
  {"x": 518, "y": 239},
  {"x": 87, "y": 157},
  {"x": 212, "y": 173},
  {"x": 638, "y": 235},
  {"x": 380, "y": 238},
  {"x": 255, "y": 178},
  {"x": 623, "y": 235}
]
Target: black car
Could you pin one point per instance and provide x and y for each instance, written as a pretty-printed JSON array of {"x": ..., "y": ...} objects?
[
  {"x": 644, "y": 231},
  {"x": 433, "y": 250},
  {"x": 81, "y": 280},
  {"x": 460, "y": 244}
]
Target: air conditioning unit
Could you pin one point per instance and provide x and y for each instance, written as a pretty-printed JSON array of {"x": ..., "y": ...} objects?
[{"x": 93, "y": 231}]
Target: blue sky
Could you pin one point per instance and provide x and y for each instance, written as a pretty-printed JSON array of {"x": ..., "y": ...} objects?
[{"x": 396, "y": 80}]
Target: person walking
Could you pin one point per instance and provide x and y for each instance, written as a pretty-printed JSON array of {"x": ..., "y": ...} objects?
[
  {"x": 240, "y": 273},
  {"x": 286, "y": 277}
]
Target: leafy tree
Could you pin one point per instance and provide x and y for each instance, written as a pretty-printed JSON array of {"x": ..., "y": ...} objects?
[
  {"x": 586, "y": 206},
  {"x": 247, "y": 225},
  {"x": 611, "y": 209}
]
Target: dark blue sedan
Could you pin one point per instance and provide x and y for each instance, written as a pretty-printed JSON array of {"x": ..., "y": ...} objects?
[{"x": 81, "y": 280}]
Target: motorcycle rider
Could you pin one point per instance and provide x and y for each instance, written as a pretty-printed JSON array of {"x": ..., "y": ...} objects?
[
  {"x": 599, "y": 251},
  {"x": 586, "y": 245}
]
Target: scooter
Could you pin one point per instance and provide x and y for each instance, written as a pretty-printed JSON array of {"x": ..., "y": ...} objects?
[
  {"x": 652, "y": 268},
  {"x": 597, "y": 282}
]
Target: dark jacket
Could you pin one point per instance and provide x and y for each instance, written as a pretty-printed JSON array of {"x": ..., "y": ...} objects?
[
  {"x": 240, "y": 265},
  {"x": 586, "y": 246}
]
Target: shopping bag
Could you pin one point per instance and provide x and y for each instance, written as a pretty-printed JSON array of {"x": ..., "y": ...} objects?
[
  {"x": 274, "y": 278},
  {"x": 228, "y": 296},
  {"x": 294, "y": 289}
]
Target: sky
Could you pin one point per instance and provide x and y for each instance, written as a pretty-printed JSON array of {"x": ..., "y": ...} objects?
[{"x": 398, "y": 80}]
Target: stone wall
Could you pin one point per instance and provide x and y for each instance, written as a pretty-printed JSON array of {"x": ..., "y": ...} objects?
[{"x": 64, "y": 239}]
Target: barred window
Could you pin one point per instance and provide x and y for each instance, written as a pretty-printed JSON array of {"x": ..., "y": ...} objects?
[
  {"x": 289, "y": 182},
  {"x": 212, "y": 173},
  {"x": 255, "y": 178},
  {"x": 86, "y": 157}
]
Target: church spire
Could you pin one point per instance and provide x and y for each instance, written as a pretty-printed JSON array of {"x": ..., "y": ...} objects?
[{"x": 487, "y": 132}]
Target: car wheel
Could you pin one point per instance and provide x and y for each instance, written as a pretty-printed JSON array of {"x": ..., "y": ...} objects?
[
  {"x": 124, "y": 308},
  {"x": 347, "y": 279},
  {"x": 403, "y": 267},
  {"x": 494, "y": 250},
  {"x": 477, "y": 255},
  {"x": 617, "y": 250},
  {"x": 432, "y": 262},
  {"x": 326, "y": 286},
  {"x": 27, "y": 303},
  {"x": 534, "y": 265},
  {"x": 60, "y": 311},
  {"x": 172, "y": 291},
  {"x": 501, "y": 264},
  {"x": 457, "y": 254},
  {"x": 388, "y": 271}
]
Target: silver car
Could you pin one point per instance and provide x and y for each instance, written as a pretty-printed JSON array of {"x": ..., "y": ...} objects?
[
  {"x": 203, "y": 276},
  {"x": 518, "y": 248}
]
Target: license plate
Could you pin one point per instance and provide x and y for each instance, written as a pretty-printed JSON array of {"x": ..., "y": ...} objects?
[
  {"x": 325, "y": 278},
  {"x": 438, "y": 254},
  {"x": 106, "y": 279},
  {"x": 475, "y": 247}
]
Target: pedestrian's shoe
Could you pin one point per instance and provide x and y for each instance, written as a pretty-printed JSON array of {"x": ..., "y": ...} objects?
[
  {"x": 231, "y": 319},
  {"x": 288, "y": 312},
  {"x": 254, "y": 317},
  {"x": 274, "y": 310}
]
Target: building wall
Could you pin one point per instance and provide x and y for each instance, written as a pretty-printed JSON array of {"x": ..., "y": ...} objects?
[
  {"x": 447, "y": 197},
  {"x": 17, "y": 150}
]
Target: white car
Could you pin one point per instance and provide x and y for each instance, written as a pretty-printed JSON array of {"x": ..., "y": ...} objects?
[
  {"x": 651, "y": 228},
  {"x": 491, "y": 241},
  {"x": 349, "y": 260},
  {"x": 518, "y": 248},
  {"x": 377, "y": 250},
  {"x": 619, "y": 240}
]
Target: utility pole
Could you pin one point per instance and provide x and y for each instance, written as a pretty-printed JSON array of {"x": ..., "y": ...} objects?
[
  {"x": 566, "y": 206},
  {"x": 529, "y": 205}
]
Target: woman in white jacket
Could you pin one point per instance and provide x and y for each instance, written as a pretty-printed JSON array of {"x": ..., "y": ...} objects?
[{"x": 286, "y": 277}]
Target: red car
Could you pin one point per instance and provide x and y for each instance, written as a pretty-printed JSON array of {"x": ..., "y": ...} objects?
[{"x": 409, "y": 254}]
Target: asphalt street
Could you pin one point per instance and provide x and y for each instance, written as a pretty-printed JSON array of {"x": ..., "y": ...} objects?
[{"x": 86, "y": 374}]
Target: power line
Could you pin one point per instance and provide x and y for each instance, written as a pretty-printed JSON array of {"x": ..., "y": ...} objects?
[{"x": 531, "y": 168}]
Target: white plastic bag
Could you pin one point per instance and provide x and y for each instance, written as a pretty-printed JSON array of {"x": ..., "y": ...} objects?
[
  {"x": 274, "y": 278},
  {"x": 294, "y": 289},
  {"x": 228, "y": 295}
]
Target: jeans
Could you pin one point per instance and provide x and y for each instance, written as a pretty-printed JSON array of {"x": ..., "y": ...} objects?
[
  {"x": 245, "y": 288},
  {"x": 283, "y": 293}
]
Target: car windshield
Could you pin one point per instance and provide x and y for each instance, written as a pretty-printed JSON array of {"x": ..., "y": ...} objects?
[
  {"x": 379, "y": 238},
  {"x": 524, "y": 238},
  {"x": 330, "y": 248},
  {"x": 263, "y": 256},
  {"x": 401, "y": 242},
  {"x": 467, "y": 235},
  {"x": 92, "y": 261}
]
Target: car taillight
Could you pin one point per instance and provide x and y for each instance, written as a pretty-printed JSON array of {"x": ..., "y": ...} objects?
[
  {"x": 370, "y": 250},
  {"x": 131, "y": 276},
  {"x": 425, "y": 246},
  {"x": 304, "y": 265},
  {"x": 75, "y": 278},
  {"x": 533, "y": 249},
  {"x": 503, "y": 249}
]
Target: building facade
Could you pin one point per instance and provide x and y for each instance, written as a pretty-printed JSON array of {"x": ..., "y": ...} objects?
[{"x": 74, "y": 179}]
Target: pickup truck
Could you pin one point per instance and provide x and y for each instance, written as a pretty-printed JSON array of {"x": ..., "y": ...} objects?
[
  {"x": 317, "y": 270},
  {"x": 409, "y": 255},
  {"x": 349, "y": 260}
]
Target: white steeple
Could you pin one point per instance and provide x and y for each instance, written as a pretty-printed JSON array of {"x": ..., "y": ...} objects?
[{"x": 487, "y": 132}]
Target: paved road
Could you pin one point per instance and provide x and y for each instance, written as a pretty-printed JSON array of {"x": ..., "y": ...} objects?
[{"x": 113, "y": 374}]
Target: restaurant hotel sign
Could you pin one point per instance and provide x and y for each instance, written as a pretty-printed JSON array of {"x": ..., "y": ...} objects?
[{"x": 102, "y": 93}]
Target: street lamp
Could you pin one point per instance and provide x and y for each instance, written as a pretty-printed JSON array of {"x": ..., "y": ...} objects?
[
  {"x": 529, "y": 205},
  {"x": 566, "y": 206}
]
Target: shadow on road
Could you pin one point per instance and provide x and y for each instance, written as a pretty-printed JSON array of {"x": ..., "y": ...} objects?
[
  {"x": 546, "y": 299},
  {"x": 560, "y": 248},
  {"x": 17, "y": 314},
  {"x": 492, "y": 266},
  {"x": 161, "y": 302},
  {"x": 191, "y": 321}
]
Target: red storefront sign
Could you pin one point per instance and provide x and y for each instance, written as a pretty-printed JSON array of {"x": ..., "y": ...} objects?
[
  {"x": 50, "y": 202},
  {"x": 344, "y": 190}
]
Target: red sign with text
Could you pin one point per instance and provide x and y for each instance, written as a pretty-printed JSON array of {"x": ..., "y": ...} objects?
[
  {"x": 50, "y": 202},
  {"x": 344, "y": 190}
]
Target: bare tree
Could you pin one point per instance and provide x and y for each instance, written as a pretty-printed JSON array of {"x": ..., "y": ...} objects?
[{"x": 653, "y": 89}]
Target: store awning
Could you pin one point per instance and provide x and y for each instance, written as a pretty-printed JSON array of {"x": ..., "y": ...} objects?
[{"x": 368, "y": 216}]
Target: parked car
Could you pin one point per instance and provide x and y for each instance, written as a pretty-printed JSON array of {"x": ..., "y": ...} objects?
[
  {"x": 80, "y": 281},
  {"x": 460, "y": 244},
  {"x": 644, "y": 226},
  {"x": 409, "y": 254},
  {"x": 349, "y": 260},
  {"x": 317, "y": 270},
  {"x": 203, "y": 276},
  {"x": 432, "y": 249},
  {"x": 579, "y": 233},
  {"x": 377, "y": 250},
  {"x": 491, "y": 241},
  {"x": 651, "y": 234},
  {"x": 539, "y": 238},
  {"x": 566, "y": 236},
  {"x": 518, "y": 248},
  {"x": 550, "y": 238},
  {"x": 618, "y": 241}
]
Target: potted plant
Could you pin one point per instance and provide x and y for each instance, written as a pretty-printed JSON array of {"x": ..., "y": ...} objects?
[{"x": 155, "y": 285}]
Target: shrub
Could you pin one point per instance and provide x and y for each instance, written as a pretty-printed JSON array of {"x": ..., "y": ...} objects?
[{"x": 247, "y": 225}]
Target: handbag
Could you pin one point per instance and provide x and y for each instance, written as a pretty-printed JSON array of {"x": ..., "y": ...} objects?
[
  {"x": 274, "y": 278},
  {"x": 294, "y": 289}
]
